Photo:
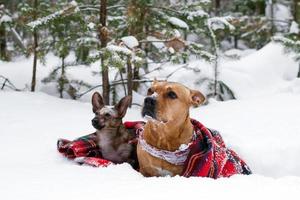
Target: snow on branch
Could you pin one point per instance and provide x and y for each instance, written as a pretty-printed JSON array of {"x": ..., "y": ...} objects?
[
  {"x": 220, "y": 23},
  {"x": 198, "y": 13},
  {"x": 289, "y": 46},
  {"x": 178, "y": 22},
  {"x": 5, "y": 19},
  {"x": 119, "y": 49},
  {"x": 130, "y": 41},
  {"x": 71, "y": 8},
  {"x": 286, "y": 41}
]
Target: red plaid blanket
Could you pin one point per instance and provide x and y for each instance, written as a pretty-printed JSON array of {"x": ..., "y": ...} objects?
[{"x": 208, "y": 157}]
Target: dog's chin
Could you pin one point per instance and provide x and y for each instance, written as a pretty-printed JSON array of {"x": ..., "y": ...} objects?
[
  {"x": 147, "y": 113},
  {"x": 98, "y": 127},
  {"x": 150, "y": 115}
]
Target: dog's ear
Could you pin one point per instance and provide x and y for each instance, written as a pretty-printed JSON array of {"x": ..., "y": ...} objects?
[
  {"x": 97, "y": 101},
  {"x": 197, "y": 98},
  {"x": 122, "y": 106}
]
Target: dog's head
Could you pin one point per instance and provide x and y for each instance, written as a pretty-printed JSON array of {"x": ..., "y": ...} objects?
[
  {"x": 108, "y": 116},
  {"x": 168, "y": 101}
]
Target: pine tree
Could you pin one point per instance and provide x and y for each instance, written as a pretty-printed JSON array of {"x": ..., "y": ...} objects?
[
  {"x": 252, "y": 28},
  {"x": 31, "y": 12},
  {"x": 63, "y": 34},
  {"x": 291, "y": 39},
  {"x": 291, "y": 44},
  {"x": 5, "y": 22}
]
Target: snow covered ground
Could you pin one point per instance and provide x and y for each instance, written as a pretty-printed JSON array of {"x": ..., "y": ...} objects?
[
  {"x": 262, "y": 126},
  {"x": 265, "y": 132}
]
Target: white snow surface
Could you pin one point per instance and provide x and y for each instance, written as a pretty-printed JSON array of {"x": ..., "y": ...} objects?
[
  {"x": 264, "y": 131},
  {"x": 130, "y": 41},
  {"x": 262, "y": 126}
]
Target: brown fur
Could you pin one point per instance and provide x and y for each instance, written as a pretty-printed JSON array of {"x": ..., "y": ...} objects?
[
  {"x": 113, "y": 137},
  {"x": 176, "y": 130}
]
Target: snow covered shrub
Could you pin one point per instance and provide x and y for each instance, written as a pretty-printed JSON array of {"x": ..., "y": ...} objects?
[{"x": 291, "y": 44}]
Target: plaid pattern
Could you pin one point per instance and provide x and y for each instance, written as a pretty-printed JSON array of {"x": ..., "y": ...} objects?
[{"x": 208, "y": 157}]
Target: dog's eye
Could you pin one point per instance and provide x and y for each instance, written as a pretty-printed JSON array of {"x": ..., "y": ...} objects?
[
  {"x": 150, "y": 91},
  {"x": 172, "y": 95}
]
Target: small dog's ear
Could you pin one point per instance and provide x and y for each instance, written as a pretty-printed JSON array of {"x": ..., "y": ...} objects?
[
  {"x": 122, "y": 106},
  {"x": 97, "y": 101},
  {"x": 197, "y": 98}
]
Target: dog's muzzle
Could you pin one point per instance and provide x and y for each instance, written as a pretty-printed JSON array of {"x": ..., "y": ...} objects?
[
  {"x": 95, "y": 123},
  {"x": 149, "y": 107}
]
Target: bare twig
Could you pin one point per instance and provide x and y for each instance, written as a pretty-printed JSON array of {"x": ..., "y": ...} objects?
[
  {"x": 96, "y": 7},
  {"x": 8, "y": 83},
  {"x": 114, "y": 83},
  {"x": 148, "y": 41},
  {"x": 122, "y": 79},
  {"x": 179, "y": 68},
  {"x": 165, "y": 8}
]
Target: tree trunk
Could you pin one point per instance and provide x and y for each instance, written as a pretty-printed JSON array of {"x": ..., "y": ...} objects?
[
  {"x": 136, "y": 13},
  {"x": 272, "y": 17},
  {"x": 103, "y": 39},
  {"x": 296, "y": 8},
  {"x": 3, "y": 45},
  {"x": 236, "y": 41},
  {"x": 136, "y": 76},
  {"x": 62, "y": 78},
  {"x": 299, "y": 72},
  {"x": 216, "y": 70},
  {"x": 129, "y": 78},
  {"x": 35, "y": 51},
  {"x": 35, "y": 45},
  {"x": 217, "y": 7}
]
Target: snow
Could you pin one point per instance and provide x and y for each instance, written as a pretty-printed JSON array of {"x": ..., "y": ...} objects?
[
  {"x": 171, "y": 50},
  {"x": 5, "y": 18},
  {"x": 73, "y": 3},
  {"x": 282, "y": 15},
  {"x": 220, "y": 23},
  {"x": 294, "y": 28},
  {"x": 237, "y": 53},
  {"x": 119, "y": 49},
  {"x": 178, "y": 22},
  {"x": 130, "y": 41},
  {"x": 247, "y": 77},
  {"x": 45, "y": 20},
  {"x": 156, "y": 43},
  {"x": 33, "y": 169},
  {"x": 262, "y": 126},
  {"x": 91, "y": 25},
  {"x": 84, "y": 40},
  {"x": 198, "y": 13}
]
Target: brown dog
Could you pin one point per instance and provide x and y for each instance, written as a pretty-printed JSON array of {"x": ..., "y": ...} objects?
[
  {"x": 113, "y": 137},
  {"x": 169, "y": 128}
]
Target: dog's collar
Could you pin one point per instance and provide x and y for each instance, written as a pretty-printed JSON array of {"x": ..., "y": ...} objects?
[{"x": 177, "y": 157}]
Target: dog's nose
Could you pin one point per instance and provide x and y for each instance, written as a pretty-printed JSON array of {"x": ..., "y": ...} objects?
[
  {"x": 149, "y": 101},
  {"x": 95, "y": 121}
]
